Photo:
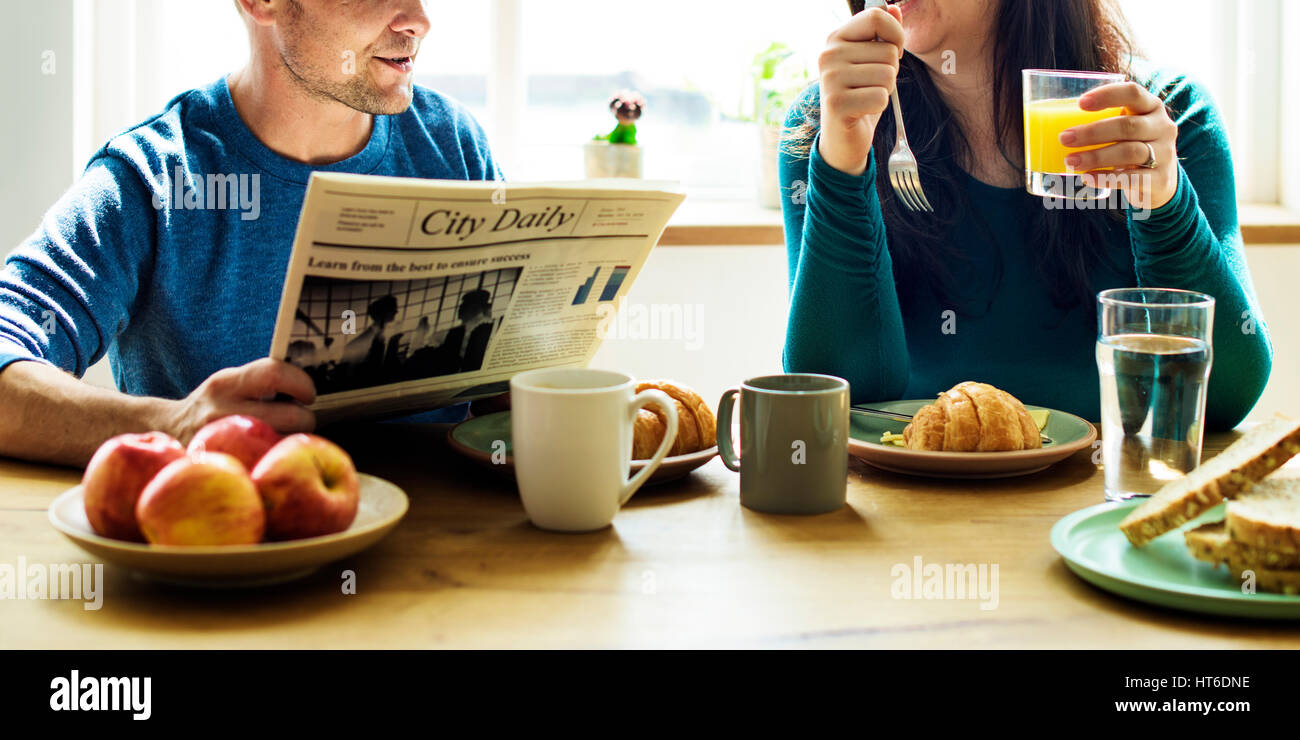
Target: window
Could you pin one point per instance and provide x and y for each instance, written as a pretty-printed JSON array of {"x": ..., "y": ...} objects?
[
  {"x": 572, "y": 55},
  {"x": 538, "y": 74},
  {"x": 144, "y": 52},
  {"x": 692, "y": 60},
  {"x": 1234, "y": 49}
]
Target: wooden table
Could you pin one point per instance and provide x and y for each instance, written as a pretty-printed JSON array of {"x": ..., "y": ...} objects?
[{"x": 684, "y": 565}]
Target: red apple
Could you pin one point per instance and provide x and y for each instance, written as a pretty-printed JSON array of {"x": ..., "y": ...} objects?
[
  {"x": 309, "y": 486},
  {"x": 116, "y": 475},
  {"x": 204, "y": 499},
  {"x": 244, "y": 437}
]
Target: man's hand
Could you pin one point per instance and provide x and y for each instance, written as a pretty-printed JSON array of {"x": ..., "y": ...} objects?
[
  {"x": 859, "y": 68},
  {"x": 251, "y": 390},
  {"x": 51, "y": 416}
]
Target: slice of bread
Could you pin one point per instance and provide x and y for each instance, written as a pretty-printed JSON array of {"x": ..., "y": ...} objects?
[
  {"x": 1268, "y": 517},
  {"x": 1257, "y": 453},
  {"x": 1268, "y": 579},
  {"x": 1275, "y": 581},
  {"x": 1211, "y": 543}
]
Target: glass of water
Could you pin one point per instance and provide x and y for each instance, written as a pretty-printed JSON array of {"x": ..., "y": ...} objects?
[{"x": 1153, "y": 355}]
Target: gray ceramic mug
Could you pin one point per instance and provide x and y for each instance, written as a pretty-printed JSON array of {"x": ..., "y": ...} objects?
[{"x": 794, "y": 442}]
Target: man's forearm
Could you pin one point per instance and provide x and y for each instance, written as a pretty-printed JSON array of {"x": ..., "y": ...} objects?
[{"x": 51, "y": 416}]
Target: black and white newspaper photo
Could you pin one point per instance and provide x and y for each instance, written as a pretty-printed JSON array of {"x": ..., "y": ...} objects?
[{"x": 351, "y": 334}]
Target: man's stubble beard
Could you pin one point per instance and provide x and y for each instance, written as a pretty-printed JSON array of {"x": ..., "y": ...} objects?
[{"x": 358, "y": 92}]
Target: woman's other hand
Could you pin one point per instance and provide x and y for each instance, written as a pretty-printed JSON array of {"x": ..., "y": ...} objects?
[
  {"x": 1144, "y": 122},
  {"x": 858, "y": 69}
]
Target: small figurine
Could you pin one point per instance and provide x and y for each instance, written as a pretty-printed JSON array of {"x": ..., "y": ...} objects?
[{"x": 627, "y": 107}]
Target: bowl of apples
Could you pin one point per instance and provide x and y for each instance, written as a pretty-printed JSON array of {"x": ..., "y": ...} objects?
[{"x": 242, "y": 505}]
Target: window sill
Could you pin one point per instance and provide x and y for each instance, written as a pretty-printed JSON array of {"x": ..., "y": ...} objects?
[
  {"x": 702, "y": 222},
  {"x": 1268, "y": 224},
  {"x": 722, "y": 223}
]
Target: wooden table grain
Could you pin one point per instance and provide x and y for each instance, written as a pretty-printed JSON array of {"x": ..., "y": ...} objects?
[{"x": 684, "y": 565}]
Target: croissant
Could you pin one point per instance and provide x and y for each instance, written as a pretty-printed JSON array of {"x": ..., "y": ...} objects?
[
  {"x": 696, "y": 424},
  {"x": 973, "y": 417},
  {"x": 647, "y": 431}
]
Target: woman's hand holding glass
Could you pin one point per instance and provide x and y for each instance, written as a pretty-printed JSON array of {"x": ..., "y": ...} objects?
[{"x": 1145, "y": 130}]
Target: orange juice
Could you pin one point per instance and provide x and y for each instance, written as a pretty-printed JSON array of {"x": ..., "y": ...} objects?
[{"x": 1044, "y": 122}]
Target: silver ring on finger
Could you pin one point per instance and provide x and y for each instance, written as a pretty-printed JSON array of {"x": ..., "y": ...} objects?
[{"x": 1151, "y": 162}]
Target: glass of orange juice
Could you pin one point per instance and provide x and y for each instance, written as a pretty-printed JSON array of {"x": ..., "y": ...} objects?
[{"x": 1052, "y": 106}]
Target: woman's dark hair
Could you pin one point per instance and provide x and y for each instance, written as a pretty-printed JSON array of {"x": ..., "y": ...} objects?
[{"x": 1028, "y": 34}]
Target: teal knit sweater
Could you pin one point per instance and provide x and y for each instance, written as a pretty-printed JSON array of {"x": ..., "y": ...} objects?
[{"x": 847, "y": 318}]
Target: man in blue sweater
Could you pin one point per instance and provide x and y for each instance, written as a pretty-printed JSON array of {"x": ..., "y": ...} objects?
[{"x": 140, "y": 261}]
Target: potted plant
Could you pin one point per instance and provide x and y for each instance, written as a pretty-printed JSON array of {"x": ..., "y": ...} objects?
[
  {"x": 778, "y": 81},
  {"x": 617, "y": 153}
]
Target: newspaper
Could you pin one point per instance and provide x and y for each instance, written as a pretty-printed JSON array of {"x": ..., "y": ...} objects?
[{"x": 404, "y": 295}]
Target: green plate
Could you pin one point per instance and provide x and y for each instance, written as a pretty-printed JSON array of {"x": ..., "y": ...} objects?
[
  {"x": 1162, "y": 573},
  {"x": 478, "y": 438},
  {"x": 1068, "y": 433}
]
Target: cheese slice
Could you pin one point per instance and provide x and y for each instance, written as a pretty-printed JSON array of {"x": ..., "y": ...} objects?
[{"x": 1040, "y": 417}]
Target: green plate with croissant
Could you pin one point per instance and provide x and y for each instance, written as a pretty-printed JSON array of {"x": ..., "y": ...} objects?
[{"x": 1067, "y": 433}]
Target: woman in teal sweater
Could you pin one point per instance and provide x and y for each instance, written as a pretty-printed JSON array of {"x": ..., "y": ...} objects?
[{"x": 998, "y": 285}]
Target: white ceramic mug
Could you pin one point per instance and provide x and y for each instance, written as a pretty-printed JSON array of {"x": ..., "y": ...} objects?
[{"x": 571, "y": 433}]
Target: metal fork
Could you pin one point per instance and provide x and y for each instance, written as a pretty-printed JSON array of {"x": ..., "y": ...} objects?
[{"x": 903, "y": 172}]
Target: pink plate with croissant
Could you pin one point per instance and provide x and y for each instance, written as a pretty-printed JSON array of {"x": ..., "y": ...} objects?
[{"x": 972, "y": 430}]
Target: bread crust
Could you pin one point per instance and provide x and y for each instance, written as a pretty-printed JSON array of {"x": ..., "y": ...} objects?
[
  {"x": 1268, "y": 517},
  {"x": 1275, "y": 581},
  {"x": 1269, "y": 579},
  {"x": 1258, "y": 536},
  {"x": 1265, "y": 449},
  {"x": 1213, "y": 544}
]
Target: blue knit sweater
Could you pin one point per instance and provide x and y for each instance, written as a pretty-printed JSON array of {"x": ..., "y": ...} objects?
[{"x": 169, "y": 254}]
